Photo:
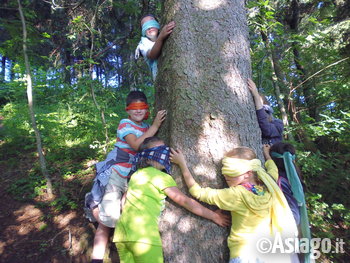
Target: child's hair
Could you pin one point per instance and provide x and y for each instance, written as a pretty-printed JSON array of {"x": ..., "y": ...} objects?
[
  {"x": 242, "y": 153},
  {"x": 247, "y": 154},
  {"x": 264, "y": 99},
  {"x": 147, "y": 144},
  {"x": 266, "y": 102},
  {"x": 135, "y": 96},
  {"x": 151, "y": 15},
  {"x": 281, "y": 147}
]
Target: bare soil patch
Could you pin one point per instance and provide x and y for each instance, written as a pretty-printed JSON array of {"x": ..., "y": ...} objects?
[{"x": 33, "y": 232}]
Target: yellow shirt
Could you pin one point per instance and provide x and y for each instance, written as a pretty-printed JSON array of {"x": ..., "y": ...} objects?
[
  {"x": 144, "y": 203},
  {"x": 251, "y": 214}
]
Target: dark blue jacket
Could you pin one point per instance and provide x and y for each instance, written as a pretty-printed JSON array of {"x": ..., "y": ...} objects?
[{"x": 271, "y": 132}]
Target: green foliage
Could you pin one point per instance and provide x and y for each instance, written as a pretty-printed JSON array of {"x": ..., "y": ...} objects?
[
  {"x": 327, "y": 221},
  {"x": 130, "y": 7},
  {"x": 320, "y": 217},
  {"x": 262, "y": 16},
  {"x": 330, "y": 126},
  {"x": 43, "y": 227},
  {"x": 17, "y": 124},
  {"x": 330, "y": 169},
  {"x": 64, "y": 201},
  {"x": 43, "y": 247},
  {"x": 327, "y": 181},
  {"x": 27, "y": 188},
  {"x": 13, "y": 91},
  {"x": 312, "y": 163}
]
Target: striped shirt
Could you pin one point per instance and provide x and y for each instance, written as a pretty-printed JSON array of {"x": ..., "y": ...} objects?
[{"x": 126, "y": 127}]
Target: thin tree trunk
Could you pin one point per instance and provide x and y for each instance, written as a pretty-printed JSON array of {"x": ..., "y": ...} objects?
[
  {"x": 91, "y": 67},
  {"x": 12, "y": 72},
  {"x": 201, "y": 81},
  {"x": 102, "y": 113},
  {"x": 31, "y": 106},
  {"x": 3, "y": 68},
  {"x": 307, "y": 88},
  {"x": 278, "y": 77}
]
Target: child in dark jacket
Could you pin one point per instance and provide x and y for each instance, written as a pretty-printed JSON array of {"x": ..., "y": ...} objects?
[{"x": 271, "y": 128}]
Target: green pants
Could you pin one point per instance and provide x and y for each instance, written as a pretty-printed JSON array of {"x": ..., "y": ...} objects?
[{"x": 135, "y": 252}]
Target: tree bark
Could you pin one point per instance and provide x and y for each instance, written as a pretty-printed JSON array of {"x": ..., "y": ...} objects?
[
  {"x": 202, "y": 83},
  {"x": 31, "y": 106}
]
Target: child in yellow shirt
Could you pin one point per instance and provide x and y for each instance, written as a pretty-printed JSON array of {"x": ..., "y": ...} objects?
[{"x": 257, "y": 205}]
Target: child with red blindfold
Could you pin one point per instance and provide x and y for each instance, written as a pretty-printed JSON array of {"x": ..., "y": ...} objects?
[{"x": 112, "y": 174}]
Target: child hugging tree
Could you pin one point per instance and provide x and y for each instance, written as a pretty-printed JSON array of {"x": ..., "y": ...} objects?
[
  {"x": 258, "y": 208},
  {"x": 102, "y": 204},
  {"x": 150, "y": 46},
  {"x": 271, "y": 128},
  {"x": 136, "y": 234},
  {"x": 283, "y": 154}
]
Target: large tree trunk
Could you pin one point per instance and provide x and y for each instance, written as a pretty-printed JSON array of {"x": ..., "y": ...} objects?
[{"x": 202, "y": 83}]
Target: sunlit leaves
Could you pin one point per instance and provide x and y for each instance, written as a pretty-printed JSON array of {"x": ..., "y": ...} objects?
[
  {"x": 46, "y": 35},
  {"x": 262, "y": 16}
]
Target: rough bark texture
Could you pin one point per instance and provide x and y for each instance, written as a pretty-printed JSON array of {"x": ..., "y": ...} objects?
[{"x": 202, "y": 83}]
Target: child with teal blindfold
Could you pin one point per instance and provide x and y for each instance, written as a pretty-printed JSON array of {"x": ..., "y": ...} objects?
[
  {"x": 136, "y": 234},
  {"x": 283, "y": 154},
  {"x": 150, "y": 46}
]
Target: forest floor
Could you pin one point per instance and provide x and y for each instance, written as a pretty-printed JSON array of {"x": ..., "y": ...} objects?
[{"x": 34, "y": 231}]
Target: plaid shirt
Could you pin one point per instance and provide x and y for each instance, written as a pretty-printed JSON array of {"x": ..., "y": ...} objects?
[{"x": 160, "y": 154}]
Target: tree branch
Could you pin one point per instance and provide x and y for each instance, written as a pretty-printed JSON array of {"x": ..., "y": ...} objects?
[{"x": 318, "y": 72}]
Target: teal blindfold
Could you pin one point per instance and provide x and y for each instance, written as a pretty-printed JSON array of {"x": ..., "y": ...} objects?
[
  {"x": 148, "y": 25},
  {"x": 298, "y": 194}
]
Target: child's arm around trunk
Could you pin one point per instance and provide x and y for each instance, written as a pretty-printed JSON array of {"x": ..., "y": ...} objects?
[
  {"x": 176, "y": 156},
  {"x": 196, "y": 208}
]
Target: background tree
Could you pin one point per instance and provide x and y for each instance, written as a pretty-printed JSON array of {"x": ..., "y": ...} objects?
[
  {"x": 31, "y": 106},
  {"x": 202, "y": 83}
]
